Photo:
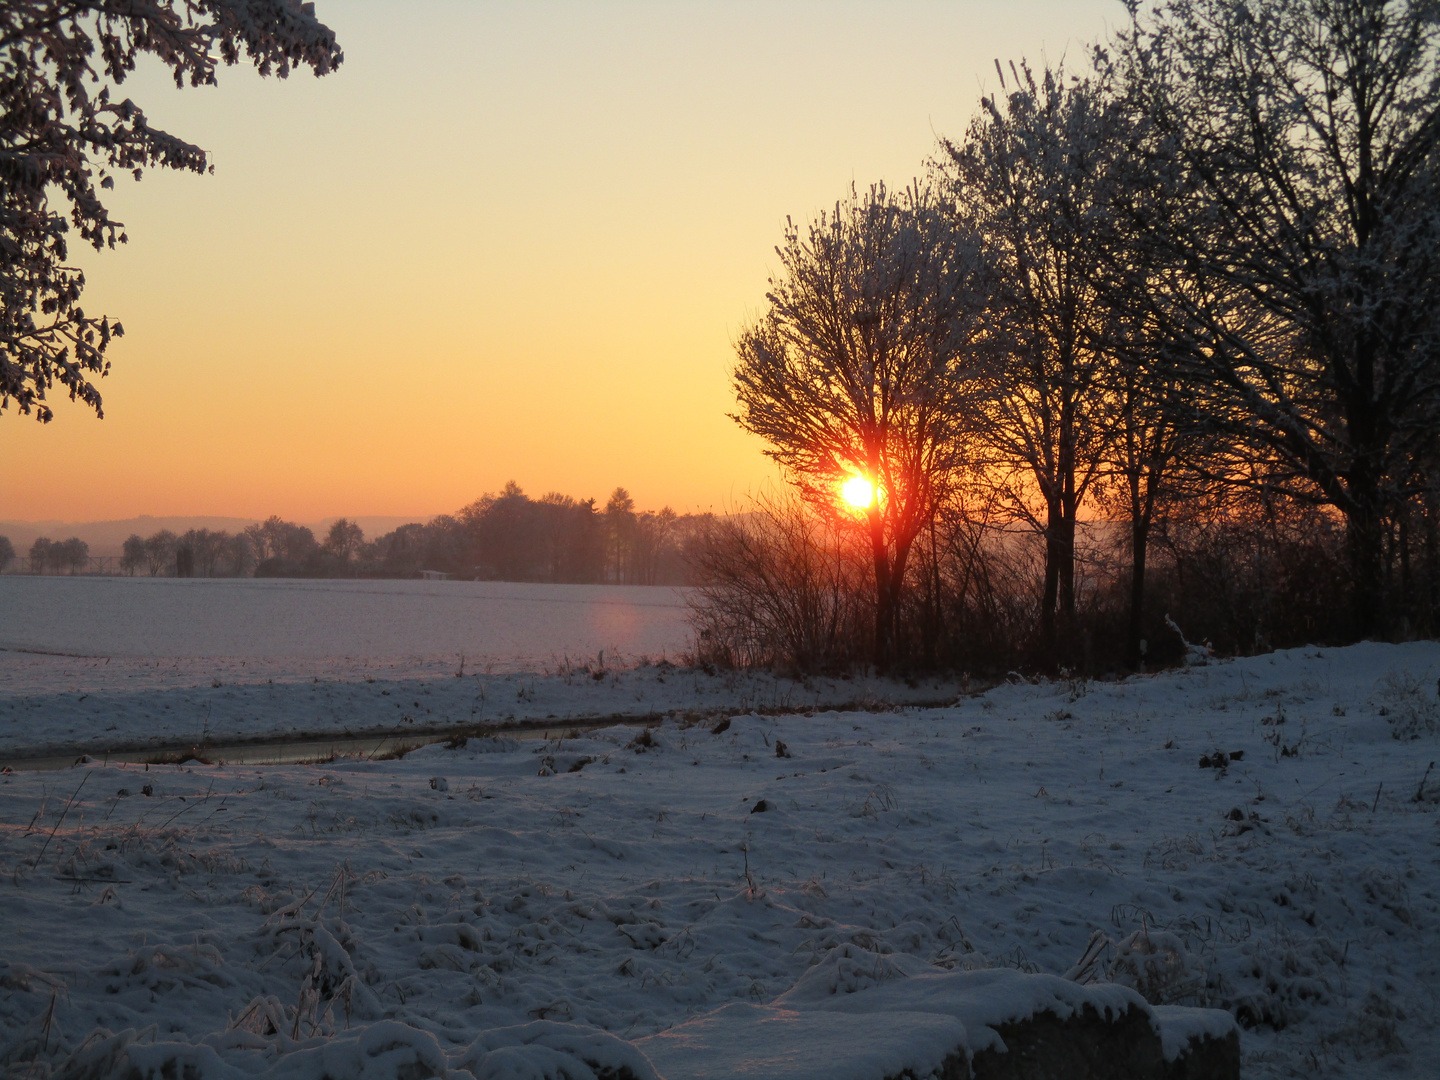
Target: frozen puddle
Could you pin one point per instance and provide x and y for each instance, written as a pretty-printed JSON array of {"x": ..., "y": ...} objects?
[
  {"x": 57, "y": 706},
  {"x": 307, "y": 751}
]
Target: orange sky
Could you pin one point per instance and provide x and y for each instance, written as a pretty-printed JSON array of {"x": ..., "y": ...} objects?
[{"x": 503, "y": 241}]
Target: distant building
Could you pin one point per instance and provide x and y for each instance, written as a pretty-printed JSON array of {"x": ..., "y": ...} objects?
[{"x": 434, "y": 575}]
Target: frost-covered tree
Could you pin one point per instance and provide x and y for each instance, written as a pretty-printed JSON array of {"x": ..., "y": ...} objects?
[
  {"x": 1036, "y": 177},
  {"x": 1168, "y": 443},
  {"x": 1304, "y": 141},
  {"x": 1158, "y": 444},
  {"x": 857, "y": 368},
  {"x": 66, "y": 132}
]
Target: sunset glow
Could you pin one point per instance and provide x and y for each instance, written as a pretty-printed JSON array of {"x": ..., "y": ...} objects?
[
  {"x": 334, "y": 323},
  {"x": 857, "y": 492}
]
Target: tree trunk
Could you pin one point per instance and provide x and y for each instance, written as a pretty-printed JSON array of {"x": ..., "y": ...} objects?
[
  {"x": 1139, "y": 543},
  {"x": 884, "y": 593},
  {"x": 1408, "y": 607},
  {"x": 1142, "y": 514},
  {"x": 1068, "y": 632},
  {"x": 1065, "y": 653},
  {"x": 1431, "y": 602},
  {"x": 1048, "y": 604},
  {"x": 899, "y": 561},
  {"x": 1365, "y": 541},
  {"x": 936, "y": 629}
]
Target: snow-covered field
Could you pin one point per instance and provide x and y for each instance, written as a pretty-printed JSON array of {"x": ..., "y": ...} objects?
[
  {"x": 1257, "y": 823},
  {"x": 65, "y": 705},
  {"x": 287, "y": 628},
  {"x": 95, "y": 665}
]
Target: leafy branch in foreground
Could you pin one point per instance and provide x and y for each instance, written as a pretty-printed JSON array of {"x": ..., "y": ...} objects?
[{"x": 66, "y": 133}]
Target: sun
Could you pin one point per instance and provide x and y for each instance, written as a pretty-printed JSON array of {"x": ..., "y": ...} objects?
[{"x": 858, "y": 492}]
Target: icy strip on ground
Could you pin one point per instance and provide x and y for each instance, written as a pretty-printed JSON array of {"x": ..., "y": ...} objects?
[{"x": 74, "y": 719}]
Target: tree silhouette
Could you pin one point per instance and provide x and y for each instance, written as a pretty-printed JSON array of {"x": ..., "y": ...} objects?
[
  {"x": 1303, "y": 141},
  {"x": 857, "y": 368}
]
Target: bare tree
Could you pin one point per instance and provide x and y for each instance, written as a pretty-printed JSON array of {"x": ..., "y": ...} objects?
[
  {"x": 1153, "y": 430},
  {"x": 1035, "y": 176},
  {"x": 7, "y": 553},
  {"x": 72, "y": 555},
  {"x": 259, "y": 538},
  {"x": 199, "y": 552},
  {"x": 344, "y": 539},
  {"x": 856, "y": 369},
  {"x": 1305, "y": 135},
  {"x": 653, "y": 531},
  {"x": 284, "y": 545},
  {"x": 159, "y": 551},
  {"x": 237, "y": 555},
  {"x": 1169, "y": 444},
  {"x": 132, "y": 556},
  {"x": 782, "y": 586},
  {"x": 40, "y": 554},
  {"x": 619, "y": 535}
]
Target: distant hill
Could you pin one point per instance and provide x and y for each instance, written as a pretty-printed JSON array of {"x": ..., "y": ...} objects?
[{"x": 108, "y": 537}]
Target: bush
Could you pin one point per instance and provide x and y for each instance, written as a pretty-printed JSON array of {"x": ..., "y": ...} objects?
[
  {"x": 785, "y": 587},
  {"x": 779, "y": 587}
]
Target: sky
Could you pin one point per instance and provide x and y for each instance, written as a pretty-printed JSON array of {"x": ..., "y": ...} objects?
[{"x": 503, "y": 241}]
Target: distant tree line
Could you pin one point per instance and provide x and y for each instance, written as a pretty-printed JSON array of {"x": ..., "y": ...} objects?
[
  {"x": 195, "y": 553},
  {"x": 556, "y": 538},
  {"x": 50, "y": 556},
  {"x": 1153, "y": 349},
  {"x": 499, "y": 537}
]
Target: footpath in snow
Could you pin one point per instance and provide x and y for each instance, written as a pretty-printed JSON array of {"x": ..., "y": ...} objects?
[{"x": 1249, "y": 835}]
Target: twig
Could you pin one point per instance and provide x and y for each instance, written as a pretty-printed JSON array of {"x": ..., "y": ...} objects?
[
  {"x": 44, "y": 1046},
  {"x": 44, "y": 801},
  {"x": 67, "y": 810},
  {"x": 218, "y": 808},
  {"x": 1420, "y": 791},
  {"x": 1377, "y": 796},
  {"x": 192, "y": 806},
  {"x": 338, "y": 882}
]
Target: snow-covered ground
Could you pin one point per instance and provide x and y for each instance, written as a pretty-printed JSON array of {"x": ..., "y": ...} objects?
[
  {"x": 67, "y": 705},
  {"x": 1256, "y": 822},
  {"x": 290, "y": 627}
]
